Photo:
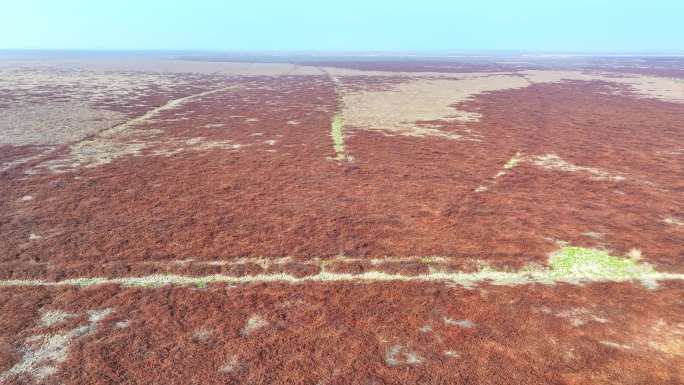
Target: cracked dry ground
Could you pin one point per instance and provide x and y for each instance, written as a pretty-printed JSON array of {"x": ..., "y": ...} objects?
[{"x": 240, "y": 183}]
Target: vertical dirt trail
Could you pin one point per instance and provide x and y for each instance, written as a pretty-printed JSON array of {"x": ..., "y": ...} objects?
[{"x": 337, "y": 124}]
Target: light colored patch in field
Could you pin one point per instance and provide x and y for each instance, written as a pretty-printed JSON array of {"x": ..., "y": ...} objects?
[
  {"x": 644, "y": 86},
  {"x": 253, "y": 323},
  {"x": 552, "y": 76},
  {"x": 615, "y": 345},
  {"x": 95, "y": 316},
  {"x": 580, "y": 316},
  {"x": 26, "y": 198},
  {"x": 92, "y": 153},
  {"x": 661, "y": 88},
  {"x": 17, "y": 162},
  {"x": 397, "y": 111},
  {"x": 347, "y": 72},
  {"x": 170, "y": 105},
  {"x": 40, "y": 83},
  {"x": 41, "y": 354},
  {"x": 230, "y": 366},
  {"x": 202, "y": 335},
  {"x": 172, "y": 146},
  {"x": 634, "y": 254},
  {"x": 53, "y": 123},
  {"x": 400, "y": 110},
  {"x": 398, "y": 355},
  {"x": 654, "y": 87},
  {"x": 124, "y": 139},
  {"x": 511, "y": 163},
  {"x": 265, "y": 263},
  {"x": 673, "y": 221},
  {"x": 515, "y": 159},
  {"x": 593, "y": 235},
  {"x": 664, "y": 337},
  {"x": 554, "y": 162},
  {"x": 53, "y": 317},
  {"x": 656, "y": 336},
  {"x": 464, "y": 323}
]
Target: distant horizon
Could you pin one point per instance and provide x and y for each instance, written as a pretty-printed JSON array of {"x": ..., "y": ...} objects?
[{"x": 444, "y": 53}]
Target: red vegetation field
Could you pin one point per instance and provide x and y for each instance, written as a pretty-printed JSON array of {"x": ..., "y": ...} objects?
[{"x": 234, "y": 175}]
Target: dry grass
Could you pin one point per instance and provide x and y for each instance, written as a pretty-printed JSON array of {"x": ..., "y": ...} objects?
[
  {"x": 54, "y": 123},
  {"x": 674, "y": 221},
  {"x": 42, "y": 353},
  {"x": 254, "y": 323},
  {"x": 554, "y": 162},
  {"x": 398, "y": 355},
  {"x": 119, "y": 88},
  {"x": 400, "y": 110},
  {"x": 153, "y": 65},
  {"x": 124, "y": 139},
  {"x": 654, "y": 87}
]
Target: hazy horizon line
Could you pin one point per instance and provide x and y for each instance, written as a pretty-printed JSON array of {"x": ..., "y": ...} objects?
[{"x": 323, "y": 52}]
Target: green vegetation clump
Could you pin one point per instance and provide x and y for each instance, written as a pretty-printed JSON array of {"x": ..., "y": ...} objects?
[
  {"x": 338, "y": 137},
  {"x": 513, "y": 161},
  {"x": 591, "y": 264}
]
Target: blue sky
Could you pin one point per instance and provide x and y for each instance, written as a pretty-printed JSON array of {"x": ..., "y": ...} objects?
[{"x": 351, "y": 25}]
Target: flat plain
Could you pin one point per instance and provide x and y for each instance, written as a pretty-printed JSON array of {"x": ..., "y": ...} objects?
[{"x": 205, "y": 220}]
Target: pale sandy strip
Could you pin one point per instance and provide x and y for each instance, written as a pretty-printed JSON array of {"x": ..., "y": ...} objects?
[
  {"x": 171, "y": 104},
  {"x": 264, "y": 262},
  {"x": 463, "y": 279}
]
